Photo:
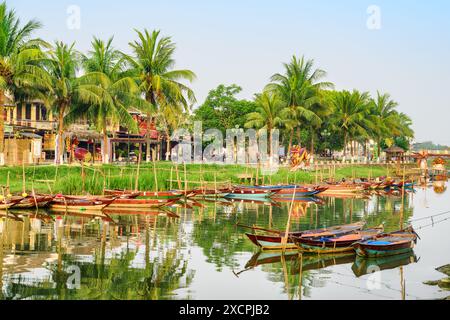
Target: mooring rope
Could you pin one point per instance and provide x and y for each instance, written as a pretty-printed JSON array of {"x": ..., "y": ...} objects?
[{"x": 429, "y": 217}]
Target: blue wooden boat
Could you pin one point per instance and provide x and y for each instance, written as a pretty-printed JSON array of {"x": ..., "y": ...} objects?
[{"x": 390, "y": 244}]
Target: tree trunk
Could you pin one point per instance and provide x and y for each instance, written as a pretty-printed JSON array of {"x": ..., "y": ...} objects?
[
  {"x": 167, "y": 147},
  {"x": 312, "y": 142},
  {"x": 270, "y": 143},
  {"x": 345, "y": 144},
  {"x": 2, "y": 127},
  {"x": 151, "y": 99},
  {"x": 60, "y": 154},
  {"x": 105, "y": 144}
]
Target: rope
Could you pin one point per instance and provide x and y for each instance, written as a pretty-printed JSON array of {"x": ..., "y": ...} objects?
[
  {"x": 429, "y": 217},
  {"x": 432, "y": 224}
]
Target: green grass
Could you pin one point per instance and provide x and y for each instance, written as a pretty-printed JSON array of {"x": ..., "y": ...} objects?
[{"x": 68, "y": 179}]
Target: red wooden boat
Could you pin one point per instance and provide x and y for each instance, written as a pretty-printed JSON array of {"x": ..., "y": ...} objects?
[
  {"x": 139, "y": 204},
  {"x": 336, "y": 244},
  {"x": 64, "y": 204},
  {"x": 29, "y": 202},
  {"x": 9, "y": 202},
  {"x": 274, "y": 241}
]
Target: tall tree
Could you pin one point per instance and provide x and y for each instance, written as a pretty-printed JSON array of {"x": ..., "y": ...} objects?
[
  {"x": 68, "y": 90},
  {"x": 350, "y": 110},
  {"x": 19, "y": 61},
  {"x": 118, "y": 91},
  {"x": 267, "y": 114},
  {"x": 153, "y": 64},
  {"x": 299, "y": 87}
]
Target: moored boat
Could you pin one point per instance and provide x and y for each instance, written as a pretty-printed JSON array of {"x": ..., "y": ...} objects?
[
  {"x": 139, "y": 204},
  {"x": 274, "y": 241},
  {"x": 30, "y": 202},
  {"x": 63, "y": 204},
  {"x": 336, "y": 244},
  {"x": 388, "y": 244},
  {"x": 248, "y": 194}
]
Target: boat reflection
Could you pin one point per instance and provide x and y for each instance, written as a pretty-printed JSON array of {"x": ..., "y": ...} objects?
[
  {"x": 363, "y": 266},
  {"x": 308, "y": 262}
]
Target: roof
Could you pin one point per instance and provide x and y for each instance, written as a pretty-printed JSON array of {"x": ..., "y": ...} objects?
[{"x": 394, "y": 149}]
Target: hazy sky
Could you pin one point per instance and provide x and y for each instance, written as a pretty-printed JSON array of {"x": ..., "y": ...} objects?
[{"x": 245, "y": 42}]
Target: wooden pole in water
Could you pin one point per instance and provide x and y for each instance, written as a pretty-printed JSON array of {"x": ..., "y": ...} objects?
[
  {"x": 403, "y": 199},
  {"x": 156, "y": 176},
  {"x": 178, "y": 177},
  {"x": 24, "y": 190},
  {"x": 185, "y": 179},
  {"x": 300, "y": 280},
  {"x": 83, "y": 177},
  {"x": 136, "y": 185},
  {"x": 286, "y": 235},
  {"x": 171, "y": 177}
]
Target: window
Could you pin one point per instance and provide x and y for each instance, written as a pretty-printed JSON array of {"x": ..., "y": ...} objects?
[
  {"x": 19, "y": 112},
  {"x": 28, "y": 111},
  {"x": 44, "y": 113}
]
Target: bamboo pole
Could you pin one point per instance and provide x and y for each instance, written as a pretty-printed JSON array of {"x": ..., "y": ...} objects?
[
  {"x": 403, "y": 199},
  {"x": 185, "y": 179},
  {"x": 171, "y": 177},
  {"x": 23, "y": 179},
  {"x": 136, "y": 186},
  {"x": 156, "y": 176}
]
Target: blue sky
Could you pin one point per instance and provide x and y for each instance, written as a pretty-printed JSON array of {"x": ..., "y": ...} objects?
[{"x": 245, "y": 42}]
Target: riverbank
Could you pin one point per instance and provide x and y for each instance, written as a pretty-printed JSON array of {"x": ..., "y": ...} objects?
[{"x": 161, "y": 176}]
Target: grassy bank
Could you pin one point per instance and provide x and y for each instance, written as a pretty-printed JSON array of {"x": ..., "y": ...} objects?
[{"x": 69, "y": 179}]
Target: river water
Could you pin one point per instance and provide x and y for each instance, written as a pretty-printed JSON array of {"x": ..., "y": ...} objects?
[{"x": 200, "y": 253}]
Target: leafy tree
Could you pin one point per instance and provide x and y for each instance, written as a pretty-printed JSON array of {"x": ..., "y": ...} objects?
[
  {"x": 299, "y": 87},
  {"x": 20, "y": 72},
  {"x": 67, "y": 89},
  {"x": 222, "y": 110},
  {"x": 152, "y": 65},
  {"x": 118, "y": 90},
  {"x": 267, "y": 114}
]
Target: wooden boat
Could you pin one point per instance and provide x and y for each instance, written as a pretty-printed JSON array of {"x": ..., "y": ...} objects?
[
  {"x": 299, "y": 192},
  {"x": 146, "y": 194},
  {"x": 139, "y": 204},
  {"x": 336, "y": 244},
  {"x": 404, "y": 184},
  {"x": 248, "y": 194},
  {"x": 62, "y": 204},
  {"x": 363, "y": 266},
  {"x": 6, "y": 204},
  {"x": 388, "y": 244},
  {"x": 30, "y": 202},
  {"x": 336, "y": 189},
  {"x": 274, "y": 241}
]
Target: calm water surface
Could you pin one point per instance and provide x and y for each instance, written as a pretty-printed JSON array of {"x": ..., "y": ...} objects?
[{"x": 201, "y": 254}]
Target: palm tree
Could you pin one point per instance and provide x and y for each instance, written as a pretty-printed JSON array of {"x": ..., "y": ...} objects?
[
  {"x": 350, "y": 109},
  {"x": 299, "y": 88},
  {"x": 19, "y": 57},
  {"x": 153, "y": 64},
  {"x": 267, "y": 115},
  {"x": 68, "y": 90},
  {"x": 384, "y": 116},
  {"x": 118, "y": 90}
]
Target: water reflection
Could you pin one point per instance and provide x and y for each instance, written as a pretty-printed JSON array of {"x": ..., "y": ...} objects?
[{"x": 168, "y": 255}]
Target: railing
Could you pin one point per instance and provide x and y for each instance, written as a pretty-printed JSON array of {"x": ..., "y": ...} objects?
[{"x": 38, "y": 124}]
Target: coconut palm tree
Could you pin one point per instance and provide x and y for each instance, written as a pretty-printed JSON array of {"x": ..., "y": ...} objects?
[
  {"x": 299, "y": 88},
  {"x": 350, "y": 111},
  {"x": 118, "y": 91},
  {"x": 267, "y": 115},
  {"x": 68, "y": 90},
  {"x": 19, "y": 62},
  {"x": 153, "y": 64}
]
